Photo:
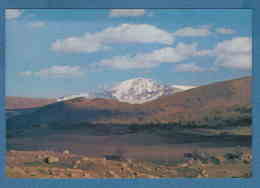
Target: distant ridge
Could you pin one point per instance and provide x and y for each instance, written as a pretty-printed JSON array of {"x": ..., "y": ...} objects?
[{"x": 13, "y": 102}]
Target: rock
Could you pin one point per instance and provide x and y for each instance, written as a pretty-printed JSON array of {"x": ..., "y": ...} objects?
[
  {"x": 199, "y": 176},
  {"x": 66, "y": 152},
  {"x": 51, "y": 159},
  {"x": 124, "y": 165},
  {"x": 113, "y": 174},
  {"x": 233, "y": 156},
  {"x": 183, "y": 165},
  {"x": 86, "y": 175},
  {"x": 84, "y": 158},
  {"x": 203, "y": 173},
  {"x": 129, "y": 160},
  {"x": 50, "y": 172},
  {"x": 76, "y": 164},
  {"x": 246, "y": 158},
  {"x": 204, "y": 157},
  {"x": 75, "y": 173},
  {"x": 40, "y": 157}
]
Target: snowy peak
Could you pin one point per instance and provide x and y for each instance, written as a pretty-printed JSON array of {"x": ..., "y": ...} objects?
[
  {"x": 134, "y": 91},
  {"x": 138, "y": 90}
]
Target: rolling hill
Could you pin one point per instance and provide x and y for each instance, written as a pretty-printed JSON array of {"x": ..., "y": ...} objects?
[
  {"x": 196, "y": 104},
  {"x": 26, "y": 102}
]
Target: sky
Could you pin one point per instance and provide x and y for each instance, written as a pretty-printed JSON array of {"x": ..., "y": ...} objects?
[{"x": 53, "y": 53}]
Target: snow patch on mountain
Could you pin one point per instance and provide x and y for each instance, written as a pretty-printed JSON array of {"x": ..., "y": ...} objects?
[
  {"x": 183, "y": 87},
  {"x": 134, "y": 91},
  {"x": 64, "y": 98},
  {"x": 139, "y": 90}
]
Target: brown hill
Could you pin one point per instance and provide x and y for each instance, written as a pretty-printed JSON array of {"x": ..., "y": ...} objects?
[
  {"x": 190, "y": 105},
  {"x": 193, "y": 104},
  {"x": 26, "y": 102}
]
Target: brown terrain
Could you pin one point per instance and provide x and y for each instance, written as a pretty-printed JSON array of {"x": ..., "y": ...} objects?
[
  {"x": 189, "y": 105},
  {"x": 26, "y": 102},
  {"x": 47, "y": 164},
  {"x": 153, "y": 138}
]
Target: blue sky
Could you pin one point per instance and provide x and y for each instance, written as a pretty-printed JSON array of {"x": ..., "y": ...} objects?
[{"x": 51, "y": 53}]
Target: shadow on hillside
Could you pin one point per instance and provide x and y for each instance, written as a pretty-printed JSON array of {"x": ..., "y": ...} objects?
[{"x": 227, "y": 140}]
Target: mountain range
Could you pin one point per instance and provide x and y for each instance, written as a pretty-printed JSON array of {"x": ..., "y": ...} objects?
[
  {"x": 133, "y": 91},
  {"x": 194, "y": 104}
]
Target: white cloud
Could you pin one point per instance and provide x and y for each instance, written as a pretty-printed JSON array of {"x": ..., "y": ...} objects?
[
  {"x": 193, "y": 32},
  {"x": 235, "y": 53},
  {"x": 192, "y": 67},
  {"x": 149, "y": 60},
  {"x": 224, "y": 31},
  {"x": 56, "y": 71},
  {"x": 37, "y": 24},
  {"x": 124, "y": 33},
  {"x": 127, "y": 12},
  {"x": 13, "y": 13}
]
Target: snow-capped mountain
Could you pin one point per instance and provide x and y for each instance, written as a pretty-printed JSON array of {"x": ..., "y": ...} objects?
[
  {"x": 140, "y": 90},
  {"x": 134, "y": 91}
]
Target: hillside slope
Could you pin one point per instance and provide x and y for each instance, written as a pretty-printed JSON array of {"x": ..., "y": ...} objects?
[
  {"x": 189, "y": 105},
  {"x": 26, "y": 102}
]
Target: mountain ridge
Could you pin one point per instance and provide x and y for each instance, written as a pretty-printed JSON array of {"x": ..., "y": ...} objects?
[
  {"x": 15, "y": 102},
  {"x": 187, "y": 105},
  {"x": 134, "y": 91}
]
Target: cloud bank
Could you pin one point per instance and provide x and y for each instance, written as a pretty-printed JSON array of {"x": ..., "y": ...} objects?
[
  {"x": 56, "y": 71},
  {"x": 193, "y": 32},
  {"x": 235, "y": 53},
  {"x": 124, "y": 33},
  {"x": 225, "y": 31},
  {"x": 153, "y": 59}
]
